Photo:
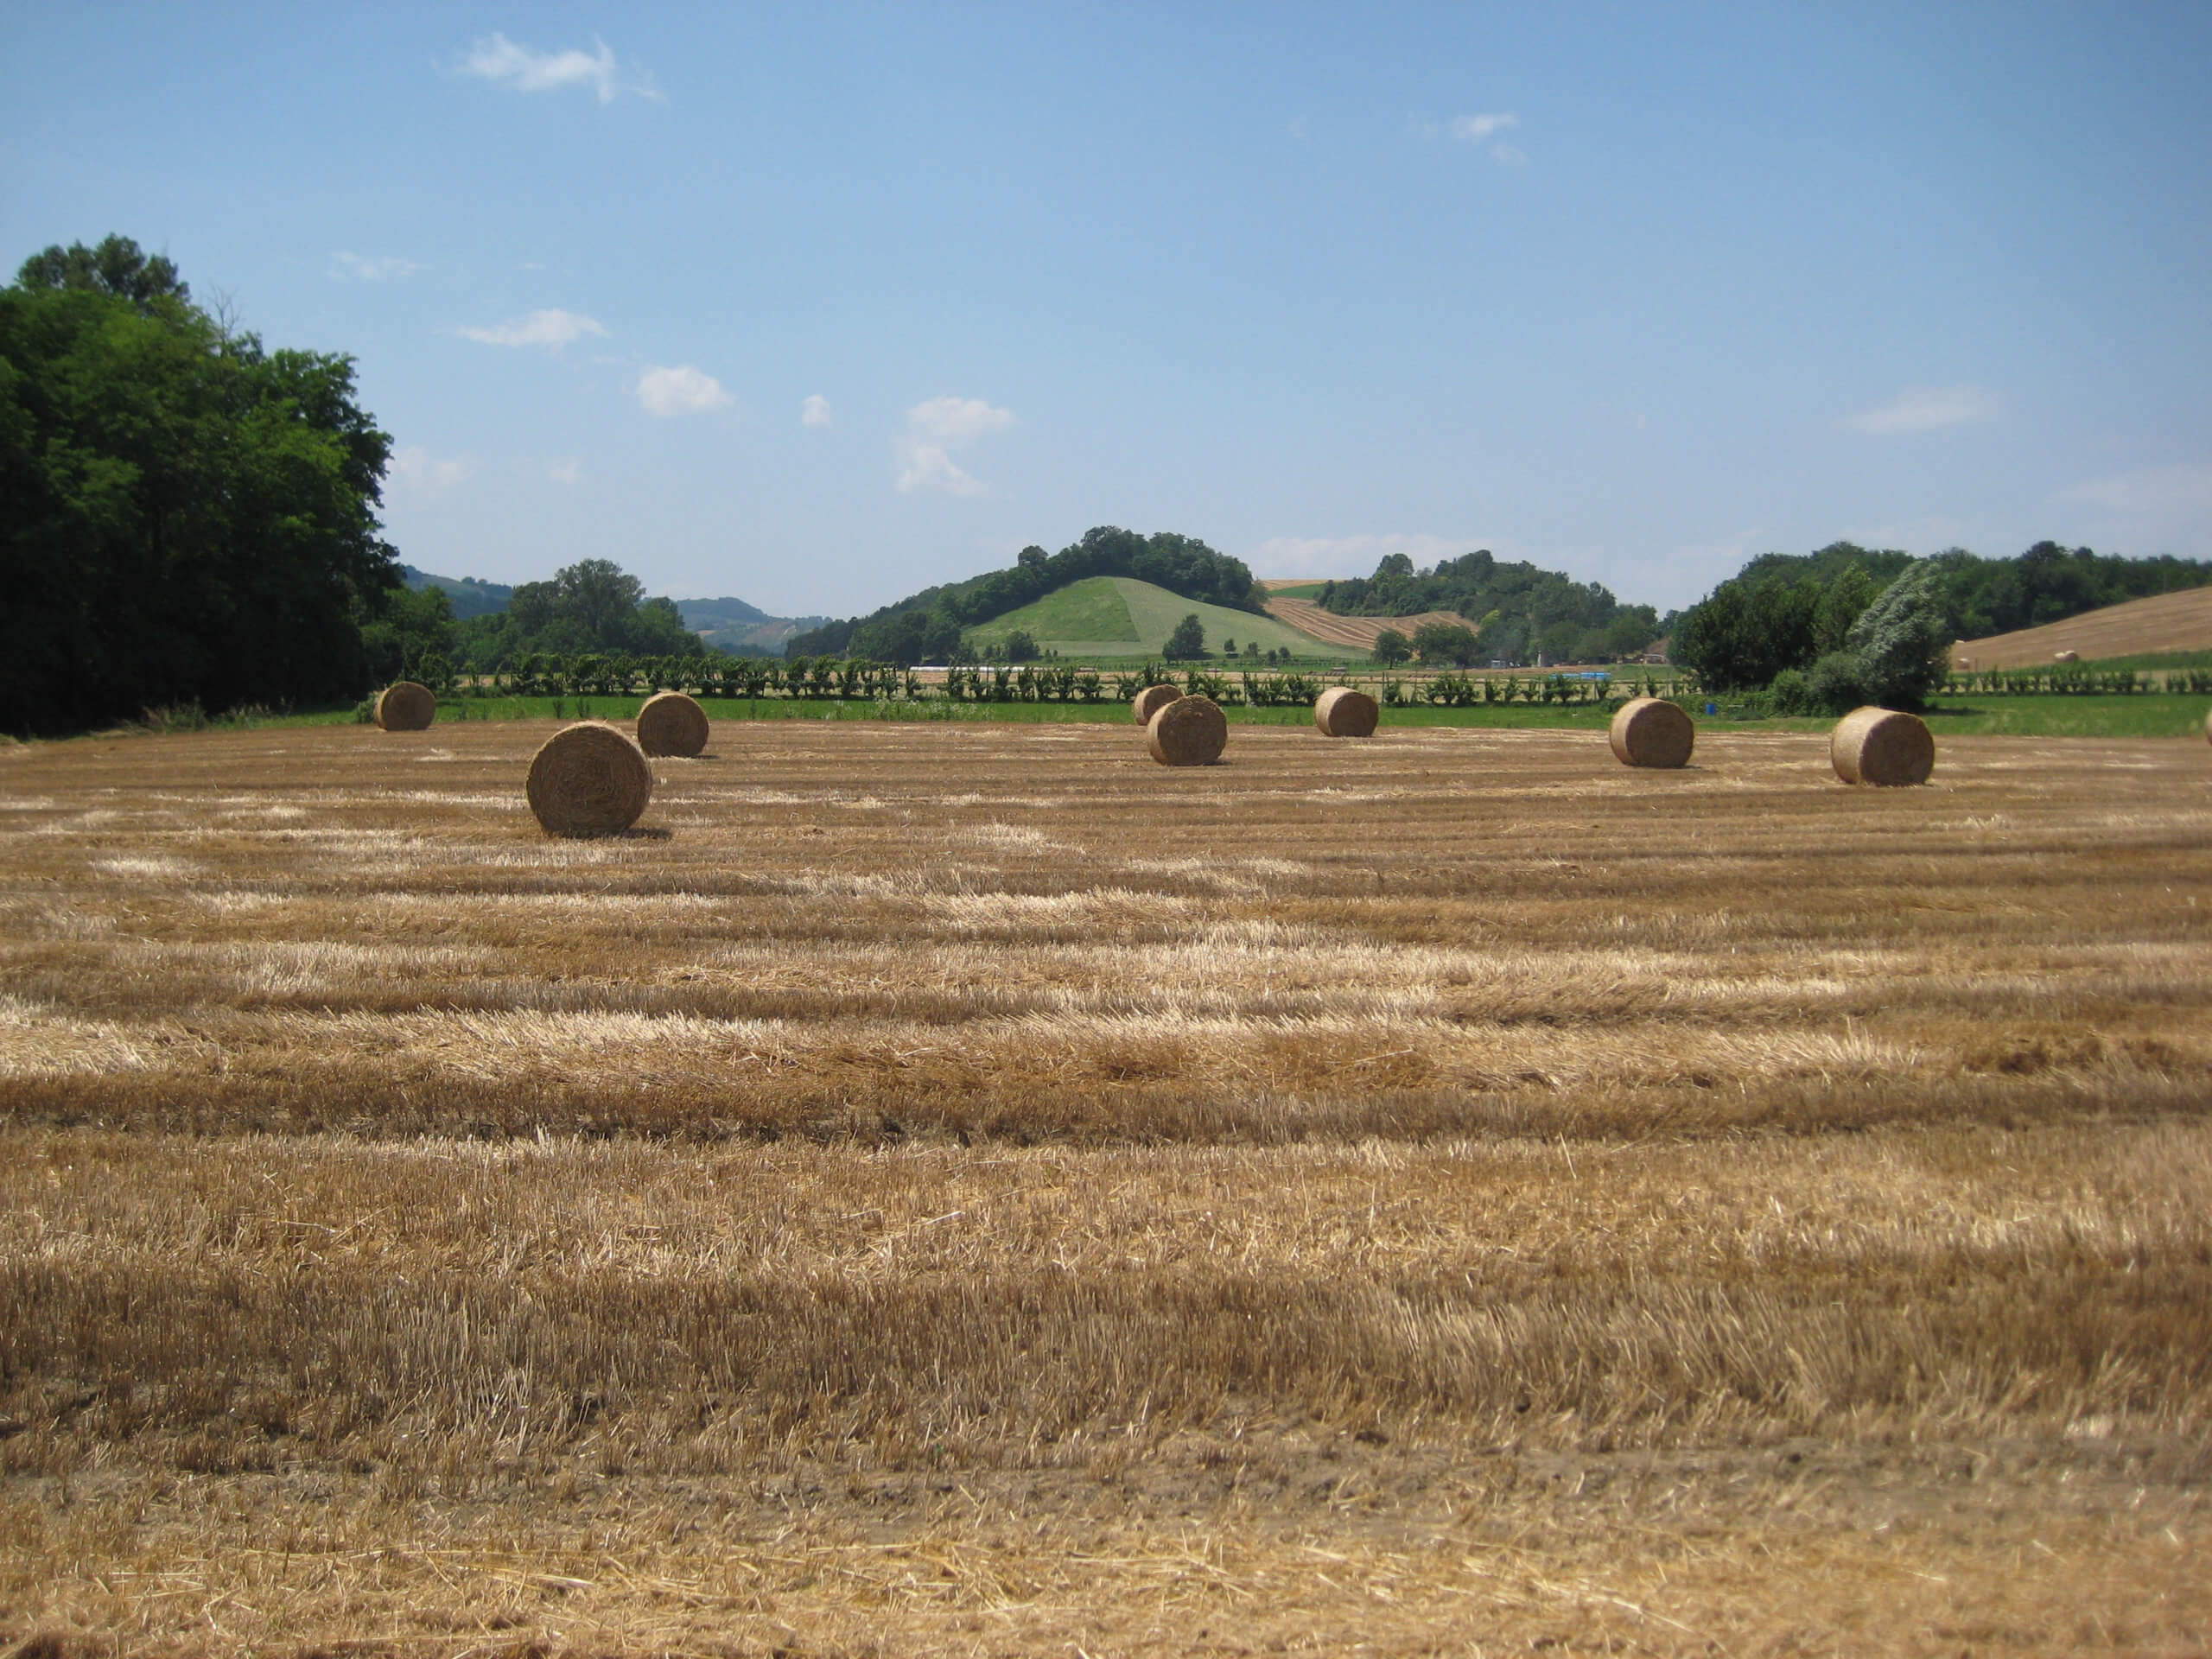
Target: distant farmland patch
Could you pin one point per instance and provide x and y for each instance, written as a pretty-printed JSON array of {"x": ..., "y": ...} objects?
[{"x": 1120, "y": 616}]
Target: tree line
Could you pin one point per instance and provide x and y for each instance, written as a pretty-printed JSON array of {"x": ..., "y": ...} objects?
[
  {"x": 1822, "y": 631},
  {"x": 1520, "y": 611},
  {"x": 927, "y": 627},
  {"x": 186, "y": 516}
]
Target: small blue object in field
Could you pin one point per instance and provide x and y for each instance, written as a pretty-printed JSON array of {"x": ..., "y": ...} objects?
[{"x": 1712, "y": 707}]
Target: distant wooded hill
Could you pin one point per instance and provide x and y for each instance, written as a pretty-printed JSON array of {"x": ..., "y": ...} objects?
[
  {"x": 729, "y": 624},
  {"x": 743, "y": 630},
  {"x": 1520, "y": 609},
  {"x": 467, "y": 596},
  {"x": 928, "y": 627}
]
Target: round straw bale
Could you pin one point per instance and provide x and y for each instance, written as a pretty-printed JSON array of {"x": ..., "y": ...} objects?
[
  {"x": 1188, "y": 731},
  {"x": 1882, "y": 746},
  {"x": 1651, "y": 732},
  {"x": 671, "y": 724},
  {"x": 1150, "y": 701},
  {"x": 2067, "y": 657},
  {"x": 1342, "y": 712},
  {"x": 2207, "y": 727},
  {"x": 404, "y": 706},
  {"x": 589, "y": 779}
]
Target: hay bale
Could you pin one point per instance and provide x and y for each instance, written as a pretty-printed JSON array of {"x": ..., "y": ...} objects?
[
  {"x": 671, "y": 724},
  {"x": 1188, "y": 731},
  {"x": 2067, "y": 657},
  {"x": 404, "y": 706},
  {"x": 588, "y": 779},
  {"x": 1882, "y": 747},
  {"x": 2207, "y": 727},
  {"x": 1342, "y": 712},
  {"x": 1150, "y": 701},
  {"x": 1651, "y": 732}
]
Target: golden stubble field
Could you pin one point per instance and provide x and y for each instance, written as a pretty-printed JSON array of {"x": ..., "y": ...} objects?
[{"x": 947, "y": 1187}]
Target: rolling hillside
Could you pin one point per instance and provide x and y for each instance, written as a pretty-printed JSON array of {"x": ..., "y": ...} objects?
[
  {"x": 1121, "y": 616},
  {"x": 731, "y": 625},
  {"x": 2165, "y": 622}
]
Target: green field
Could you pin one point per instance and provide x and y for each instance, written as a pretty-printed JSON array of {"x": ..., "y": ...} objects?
[
  {"x": 1108, "y": 618},
  {"x": 2151, "y": 662},
  {"x": 1300, "y": 590},
  {"x": 2143, "y": 715}
]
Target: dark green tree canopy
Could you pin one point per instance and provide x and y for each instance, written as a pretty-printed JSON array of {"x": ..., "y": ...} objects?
[
  {"x": 1186, "y": 641},
  {"x": 592, "y": 607},
  {"x": 1802, "y": 613},
  {"x": 1524, "y": 609},
  {"x": 1445, "y": 645},
  {"x": 117, "y": 268},
  {"x": 184, "y": 514}
]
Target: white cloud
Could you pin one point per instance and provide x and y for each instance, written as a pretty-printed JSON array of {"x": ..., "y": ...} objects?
[
  {"x": 957, "y": 420},
  {"x": 927, "y": 468},
  {"x": 1349, "y": 555},
  {"x": 413, "y": 470},
  {"x": 553, "y": 329},
  {"x": 1476, "y": 128},
  {"x": 1511, "y": 154},
  {"x": 385, "y": 270},
  {"x": 680, "y": 391},
  {"x": 523, "y": 69},
  {"x": 569, "y": 470},
  {"x": 815, "y": 411},
  {"x": 1924, "y": 408},
  {"x": 2153, "y": 491},
  {"x": 934, "y": 429}
]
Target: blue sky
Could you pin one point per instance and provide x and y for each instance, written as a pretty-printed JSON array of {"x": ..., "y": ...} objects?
[{"x": 818, "y": 305}]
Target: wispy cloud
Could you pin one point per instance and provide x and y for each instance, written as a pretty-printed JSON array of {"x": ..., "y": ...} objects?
[
  {"x": 568, "y": 470},
  {"x": 1476, "y": 128},
  {"x": 684, "y": 390},
  {"x": 934, "y": 429},
  {"x": 815, "y": 411},
  {"x": 1349, "y": 555},
  {"x": 1480, "y": 129},
  {"x": 1924, "y": 408},
  {"x": 2185, "y": 490},
  {"x": 525, "y": 69},
  {"x": 550, "y": 328},
  {"x": 413, "y": 470},
  {"x": 385, "y": 269}
]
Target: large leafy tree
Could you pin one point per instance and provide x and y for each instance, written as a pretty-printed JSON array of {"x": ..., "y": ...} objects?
[
  {"x": 1901, "y": 639},
  {"x": 593, "y": 607},
  {"x": 1188, "y": 642},
  {"x": 184, "y": 514}
]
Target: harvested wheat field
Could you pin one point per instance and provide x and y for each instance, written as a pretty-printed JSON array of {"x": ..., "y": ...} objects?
[{"x": 969, "y": 1189}]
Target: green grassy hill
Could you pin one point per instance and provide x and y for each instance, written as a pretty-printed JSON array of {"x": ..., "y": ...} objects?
[{"x": 1105, "y": 617}]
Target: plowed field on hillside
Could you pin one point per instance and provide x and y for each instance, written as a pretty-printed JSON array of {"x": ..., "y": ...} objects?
[
  {"x": 2162, "y": 622},
  {"x": 1356, "y": 633}
]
